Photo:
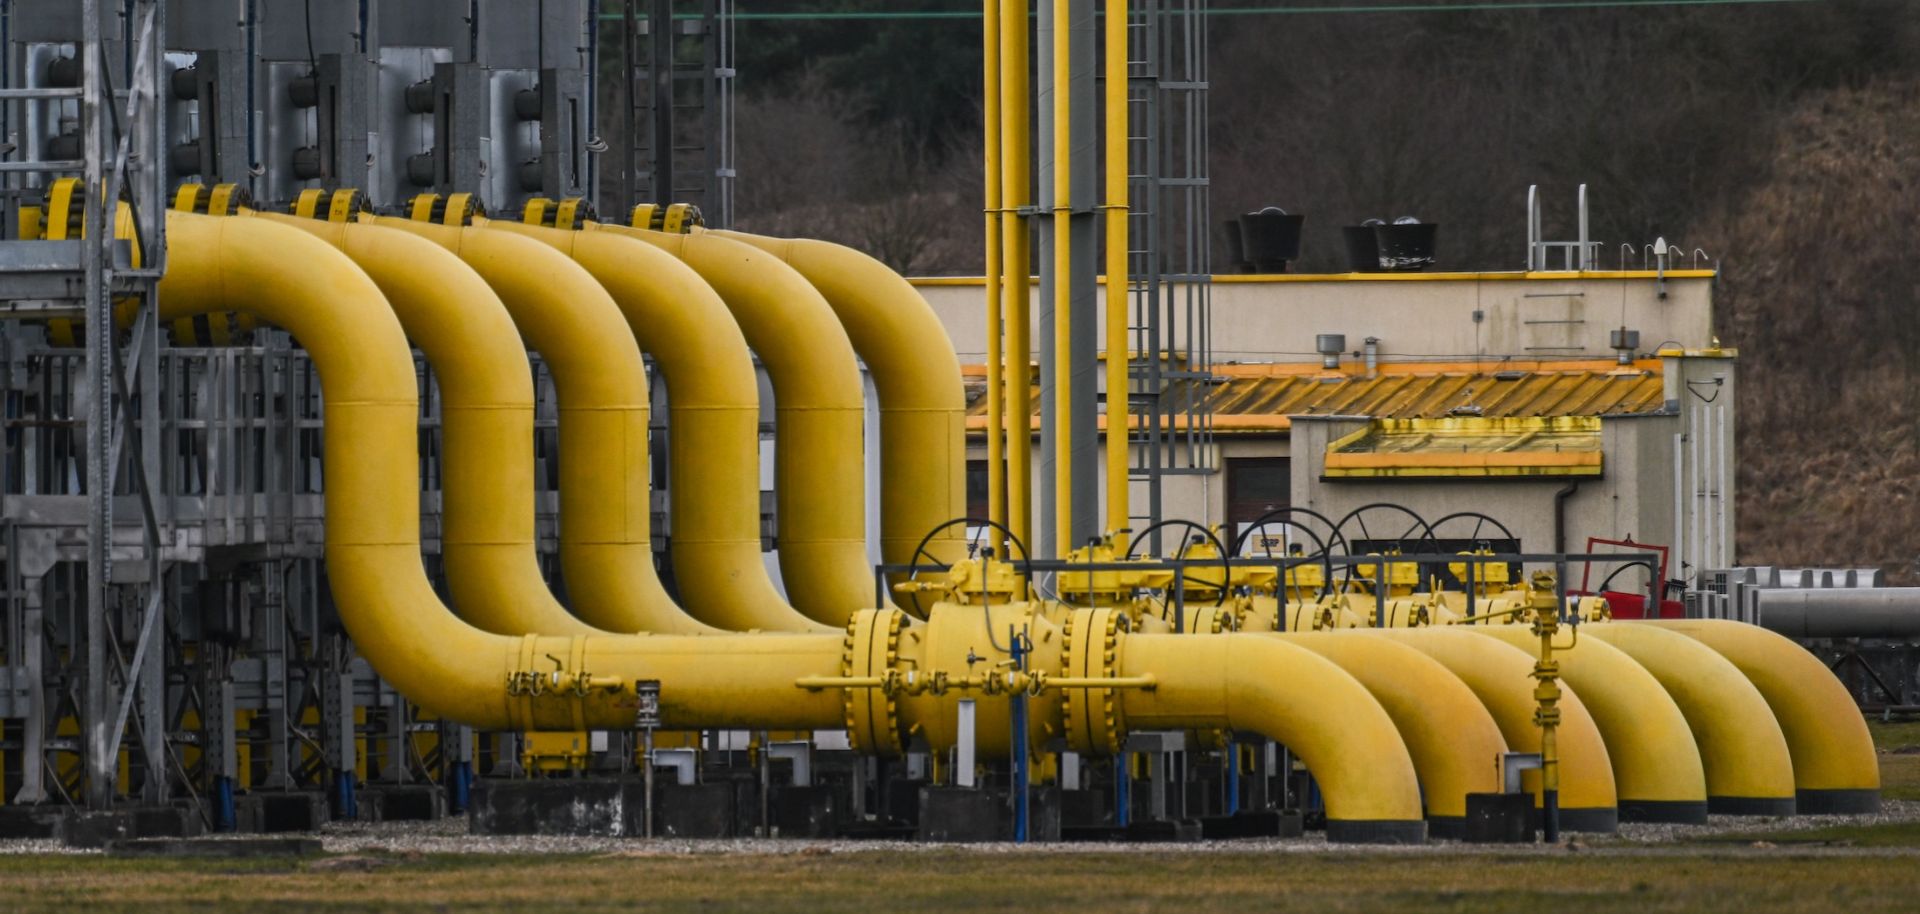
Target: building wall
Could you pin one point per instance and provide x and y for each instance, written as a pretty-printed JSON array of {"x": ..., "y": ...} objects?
[{"x": 1415, "y": 317}]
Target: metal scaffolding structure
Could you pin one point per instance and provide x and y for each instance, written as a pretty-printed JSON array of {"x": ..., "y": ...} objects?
[
  {"x": 676, "y": 134},
  {"x": 1171, "y": 331}
]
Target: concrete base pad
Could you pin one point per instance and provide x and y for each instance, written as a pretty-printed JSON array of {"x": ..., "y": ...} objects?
[
  {"x": 964, "y": 814},
  {"x": 1270, "y": 823},
  {"x": 1492, "y": 818}
]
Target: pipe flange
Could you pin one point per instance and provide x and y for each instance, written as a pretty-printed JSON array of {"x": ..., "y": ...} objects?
[
  {"x": 1095, "y": 724},
  {"x": 872, "y": 649},
  {"x": 342, "y": 205},
  {"x": 452, "y": 209},
  {"x": 571, "y": 213}
]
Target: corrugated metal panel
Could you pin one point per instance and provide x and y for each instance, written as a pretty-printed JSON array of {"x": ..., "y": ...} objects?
[{"x": 1261, "y": 398}]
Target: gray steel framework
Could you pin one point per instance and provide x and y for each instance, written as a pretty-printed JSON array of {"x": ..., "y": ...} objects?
[{"x": 676, "y": 129}]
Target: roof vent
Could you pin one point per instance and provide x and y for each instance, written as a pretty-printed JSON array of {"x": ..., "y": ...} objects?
[
  {"x": 1624, "y": 342},
  {"x": 1330, "y": 345}
]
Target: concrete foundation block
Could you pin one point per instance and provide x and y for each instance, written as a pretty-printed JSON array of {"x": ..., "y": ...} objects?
[{"x": 548, "y": 807}]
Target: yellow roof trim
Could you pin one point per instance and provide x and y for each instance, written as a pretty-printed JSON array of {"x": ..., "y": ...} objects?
[{"x": 1499, "y": 276}]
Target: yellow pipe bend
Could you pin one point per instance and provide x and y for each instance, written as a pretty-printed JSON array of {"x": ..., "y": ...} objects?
[
  {"x": 819, "y": 417},
  {"x": 1656, "y": 763},
  {"x": 288, "y": 278},
  {"x": 714, "y": 418},
  {"x": 1455, "y": 744},
  {"x": 486, "y": 417},
  {"x": 606, "y": 548},
  {"x": 1749, "y": 771},
  {"x": 916, "y": 375},
  {"x": 1286, "y": 692},
  {"x": 1501, "y": 677},
  {"x": 1835, "y": 767}
]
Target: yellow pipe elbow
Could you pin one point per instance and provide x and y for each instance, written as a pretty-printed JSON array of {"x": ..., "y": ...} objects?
[
  {"x": 819, "y": 417},
  {"x": 606, "y": 548},
  {"x": 1501, "y": 677},
  {"x": 288, "y": 278},
  {"x": 1309, "y": 704},
  {"x": 713, "y": 408},
  {"x": 1455, "y": 745},
  {"x": 1656, "y": 763},
  {"x": 486, "y": 416},
  {"x": 1749, "y": 770},
  {"x": 1835, "y": 767},
  {"x": 916, "y": 376}
]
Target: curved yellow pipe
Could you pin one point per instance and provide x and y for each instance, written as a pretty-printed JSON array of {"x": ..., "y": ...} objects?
[
  {"x": 712, "y": 402},
  {"x": 606, "y": 548},
  {"x": 486, "y": 417},
  {"x": 1455, "y": 745},
  {"x": 819, "y": 416},
  {"x": 916, "y": 375},
  {"x": 452, "y": 670},
  {"x": 1749, "y": 771},
  {"x": 1293, "y": 695},
  {"x": 1656, "y": 763},
  {"x": 1835, "y": 767},
  {"x": 1501, "y": 677}
]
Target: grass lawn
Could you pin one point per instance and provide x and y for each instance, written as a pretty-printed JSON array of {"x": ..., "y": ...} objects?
[{"x": 1648, "y": 880}]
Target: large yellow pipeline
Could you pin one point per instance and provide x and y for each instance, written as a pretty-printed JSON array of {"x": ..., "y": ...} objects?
[
  {"x": 1749, "y": 771},
  {"x": 1500, "y": 676},
  {"x": 1063, "y": 277},
  {"x": 1296, "y": 697},
  {"x": 1455, "y": 744},
  {"x": 288, "y": 278},
  {"x": 1656, "y": 763},
  {"x": 819, "y": 468},
  {"x": 1015, "y": 194},
  {"x": 916, "y": 375},
  {"x": 606, "y": 548},
  {"x": 1835, "y": 767},
  {"x": 486, "y": 416},
  {"x": 1118, "y": 278},
  {"x": 996, "y": 382},
  {"x": 712, "y": 403}
]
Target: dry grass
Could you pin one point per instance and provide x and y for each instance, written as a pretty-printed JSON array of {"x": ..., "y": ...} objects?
[{"x": 1696, "y": 879}]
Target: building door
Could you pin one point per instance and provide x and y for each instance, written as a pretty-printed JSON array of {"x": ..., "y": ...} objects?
[{"x": 1257, "y": 485}]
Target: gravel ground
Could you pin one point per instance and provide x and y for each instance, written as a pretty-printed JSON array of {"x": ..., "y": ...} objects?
[{"x": 449, "y": 836}]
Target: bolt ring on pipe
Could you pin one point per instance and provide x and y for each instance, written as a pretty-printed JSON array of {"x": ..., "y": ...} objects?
[{"x": 1226, "y": 566}]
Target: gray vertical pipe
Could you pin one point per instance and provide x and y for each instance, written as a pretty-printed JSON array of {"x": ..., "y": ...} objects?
[
  {"x": 1084, "y": 368},
  {"x": 660, "y": 83},
  {"x": 97, "y": 710}
]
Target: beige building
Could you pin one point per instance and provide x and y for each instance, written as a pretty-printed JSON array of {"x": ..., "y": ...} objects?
[{"x": 1500, "y": 394}]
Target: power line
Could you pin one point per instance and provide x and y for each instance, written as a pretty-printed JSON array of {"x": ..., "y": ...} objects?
[{"x": 1440, "y": 7}]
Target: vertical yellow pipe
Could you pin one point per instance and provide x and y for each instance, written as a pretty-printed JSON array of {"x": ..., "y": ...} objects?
[
  {"x": 1014, "y": 192},
  {"x": 996, "y": 374},
  {"x": 1063, "y": 275},
  {"x": 1118, "y": 282}
]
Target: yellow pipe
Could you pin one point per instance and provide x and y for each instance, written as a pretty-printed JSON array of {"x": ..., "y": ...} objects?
[
  {"x": 1749, "y": 770},
  {"x": 1835, "y": 767},
  {"x": 1296, "y": 697},
  {"x": 713, "y": 411},
  {"x": 1015, "y": 194},
  {"x": 1455, "y": 745},
  {"x": 996, "y": 381},
  {"x": 1656, "y": 763},
  {"x": 1118, "y": 278},
  {"x": 606, "y": 548},
  {"x": 819, "y": 468},
  {"x": 1501, "y": 677},
  {"x": 916, "y": 375},
  {"x": 486, "y": 416},
  {"x": 1064, "y": 539},
  {"x": 288, "y": 278}
]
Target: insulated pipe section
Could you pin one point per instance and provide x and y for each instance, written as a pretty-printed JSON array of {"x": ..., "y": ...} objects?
[
  {"x": 606, "y": 544},
  {"x": 1263, "y": 684},
  {"x": 819, "y": 417},
  {"x": 714, "y": 422},
  {"x": 1501, "y": 677},
  {"x": 288, "y": 278},
  {"x": 486, "y": 416},
  {"x": 1850, "y": 612},
  {"x": 1749, "y": 771},
  {"x": 1835, "y": 767},
  {"x": 1455, "y": 745},
  {"x": 923, "y": 405},
  {"x": 1656, "y": 763}
]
